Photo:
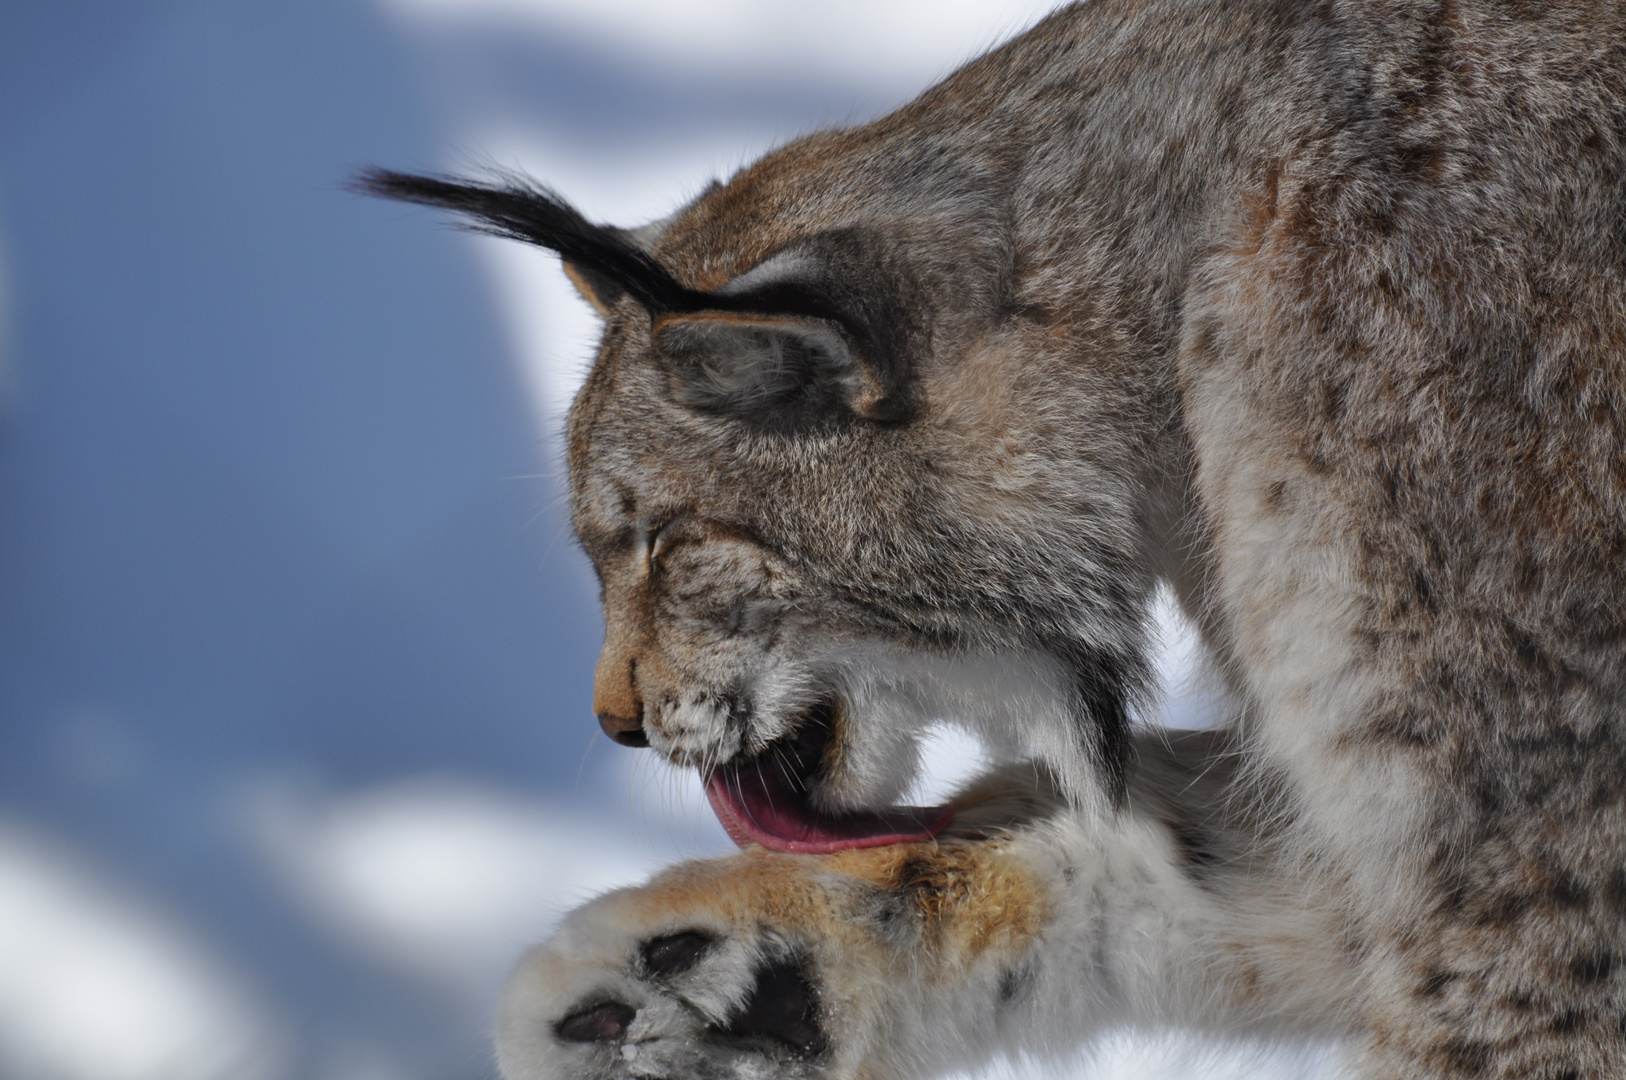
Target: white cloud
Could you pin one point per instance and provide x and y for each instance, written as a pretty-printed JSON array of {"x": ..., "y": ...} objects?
[
  {"x": 448, "y": 879},
  {"x": 949, "y": 758},
  {"x": 1189, "y": 693},
  {"x": 94, "y": 987},
  {"x": 1143, "y": 1056},
  {"x": 887, "y": 42}
]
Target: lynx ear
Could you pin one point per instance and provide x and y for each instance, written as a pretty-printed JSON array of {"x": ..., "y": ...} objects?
[
  {"x": 797, "y": 339},
  {"x": 600, "y": 291},
  {"x": 774, "y": 371},
  {"x": 808, "y": 334}
]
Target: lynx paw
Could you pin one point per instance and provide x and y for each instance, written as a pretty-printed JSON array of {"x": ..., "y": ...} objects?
[{"x": 616, "y": 995}]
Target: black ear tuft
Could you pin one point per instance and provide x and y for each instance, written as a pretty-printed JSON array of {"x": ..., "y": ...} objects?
[
  {"x": 606, "y": 261},
  {"x": 812, "y": 331}
]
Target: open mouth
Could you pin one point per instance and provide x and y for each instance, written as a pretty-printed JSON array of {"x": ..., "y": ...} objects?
[{"x": 767, "y": 800}]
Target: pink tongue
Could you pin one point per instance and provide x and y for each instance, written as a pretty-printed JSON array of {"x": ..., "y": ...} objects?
[{"x": 756, "y": 805}]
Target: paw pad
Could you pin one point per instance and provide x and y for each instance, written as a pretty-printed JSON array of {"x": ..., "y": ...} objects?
[
  {"x": 606, "y": 1022},
  {"x": 783, "y": 1007},
  {"x": 673, "y": 954}
]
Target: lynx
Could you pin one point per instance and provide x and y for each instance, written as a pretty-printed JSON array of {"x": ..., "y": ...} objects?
[{"x": 1312, "y": 313}]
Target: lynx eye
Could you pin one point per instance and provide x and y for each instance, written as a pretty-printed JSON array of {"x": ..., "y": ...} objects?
[
  {"x": 661, "y": 544},
  {"x": 641, "y": 550}
]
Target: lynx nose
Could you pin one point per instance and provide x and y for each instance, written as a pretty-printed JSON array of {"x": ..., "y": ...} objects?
[
  {"x": 616, "y": 700},
  {"x": 622, "y": 730}
]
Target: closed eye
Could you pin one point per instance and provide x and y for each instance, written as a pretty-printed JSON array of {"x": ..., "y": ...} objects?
[{"x": 662, "y": 543}]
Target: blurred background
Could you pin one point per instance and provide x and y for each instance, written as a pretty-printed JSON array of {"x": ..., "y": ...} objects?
[{"x": 295, "y": 647}]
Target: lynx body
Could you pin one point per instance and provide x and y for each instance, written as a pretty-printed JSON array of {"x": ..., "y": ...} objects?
[{"x": 1315, "y": 312}]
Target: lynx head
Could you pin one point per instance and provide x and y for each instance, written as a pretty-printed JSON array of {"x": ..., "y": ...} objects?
[{"x": 841, "y": 476}]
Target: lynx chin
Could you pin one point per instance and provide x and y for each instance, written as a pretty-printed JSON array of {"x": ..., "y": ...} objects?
[{"x": 1313, "y": 313}]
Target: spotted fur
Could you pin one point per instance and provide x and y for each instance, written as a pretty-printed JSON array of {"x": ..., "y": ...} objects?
[{"x": 1315, "y": 312}]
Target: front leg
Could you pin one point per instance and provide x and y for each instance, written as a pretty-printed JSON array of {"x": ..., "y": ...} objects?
[{"x": 1028, "y": 926}]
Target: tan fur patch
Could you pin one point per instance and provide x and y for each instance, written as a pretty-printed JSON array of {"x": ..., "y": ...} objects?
[{"x": 967, "y": 899}]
